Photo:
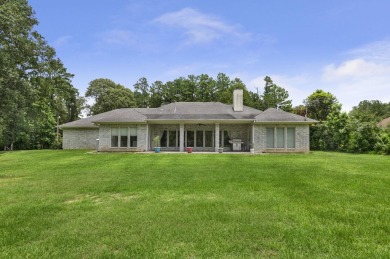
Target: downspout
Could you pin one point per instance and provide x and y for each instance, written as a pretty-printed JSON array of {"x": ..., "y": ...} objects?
[{"x": 147, "y": 137}]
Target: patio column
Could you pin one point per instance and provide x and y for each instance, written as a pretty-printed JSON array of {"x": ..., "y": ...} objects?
[
  {"x": 181, "y": 145},
  {"x": 216, "y": 137}
]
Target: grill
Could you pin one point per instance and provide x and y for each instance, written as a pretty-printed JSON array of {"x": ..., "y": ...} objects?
[{"x": 236, "y": 144}]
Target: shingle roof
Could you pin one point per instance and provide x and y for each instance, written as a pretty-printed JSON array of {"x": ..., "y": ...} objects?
[
  {"x": 275, "y": 115},
  {"x": 186, "y": 111},
  {"x": 198, "y": 111},
  {"x": 118, "y": 115}
]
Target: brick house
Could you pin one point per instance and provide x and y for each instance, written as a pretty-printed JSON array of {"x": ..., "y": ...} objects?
[{"x": 205, "y": 126}]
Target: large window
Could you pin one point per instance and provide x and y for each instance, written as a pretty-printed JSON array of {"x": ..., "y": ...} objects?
[
  {"x": 290, "y": 137},
  {"x": 284, "y": 137},
  {"x": 226, "y": 138},
  {"x": 190, "y": 138},
  {"x": 120, "y": 137},
  {"x": 124, "y": 137},
  {"x": 164, "y": 138},
  {"x": 172, "y": 138},
  {"x": 199, "y": 138},
  {"x": 133, "y": 137},
  {"x": 279, "y": 137},
  {"x": 270, "y": 138},
  {"x": 208, "y": 138},
  {"x": 114, "y": 137}
]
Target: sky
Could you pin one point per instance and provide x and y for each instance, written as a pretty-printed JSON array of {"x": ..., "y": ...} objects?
[{"x": 341, "y": 47}]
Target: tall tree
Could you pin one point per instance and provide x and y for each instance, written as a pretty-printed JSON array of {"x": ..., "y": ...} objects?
[
  {"x": 108, "y": 96},
  {"x": 275, "y": 96},
  {"x": 319, "y": 104},
  {"x": 142, "y": 93},
  {"x": 34, "y": 85}
]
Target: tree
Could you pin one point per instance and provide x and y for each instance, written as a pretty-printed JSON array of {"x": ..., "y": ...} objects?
[
  {"x": 142, "y": 93},
  {"x": 108, "y": 96},
  {"x": 370, "y": 111},
  {"x": 319, "y": 104},
  {"x": 332, "y": 133},
  {"x": 275, "y": 96},
  {"x": 35, "y": 87}
]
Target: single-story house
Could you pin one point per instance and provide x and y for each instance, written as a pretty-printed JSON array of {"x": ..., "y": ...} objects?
[{"x": 205, "y": 126}]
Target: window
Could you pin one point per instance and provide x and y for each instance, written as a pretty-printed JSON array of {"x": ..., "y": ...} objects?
[
  {"x": 226, "y": 138},
  {"x": 124, "y": 137},
  {"x": 284, "y": 138},
  {"x": 279, "y": 137},
  {"x": 290, "y": 137},
  {"x": 270, "y": 137},
  {"x": 199, "y": 138},
  {"x": 120, "y": 137},
  {"x": 114, "y": 137},
  {"x": 190, "y": 138},
  {"x": 133, "y": 137},
  {"x": 164, "y": 138},
  {"x": 208, "y": 138},
  {"x": 172, "y": 138}
]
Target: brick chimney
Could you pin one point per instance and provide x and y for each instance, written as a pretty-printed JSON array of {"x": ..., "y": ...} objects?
[{"x": 238, "y": 100}]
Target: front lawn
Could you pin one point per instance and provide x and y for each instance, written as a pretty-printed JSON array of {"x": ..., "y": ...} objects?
[{"x": 78, "y": 204}]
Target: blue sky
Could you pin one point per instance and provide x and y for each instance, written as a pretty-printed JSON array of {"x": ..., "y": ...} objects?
[{"x": 342, "y": 47}]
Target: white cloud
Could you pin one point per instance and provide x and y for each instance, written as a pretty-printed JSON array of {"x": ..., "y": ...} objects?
[
  {"x": 121, "y": 37},
  {"x": 62, "y": 41},
  {"x": 364, "y": 76},
  {"x": 354, "y": 69},
  {"x": 201, "y": 28}
]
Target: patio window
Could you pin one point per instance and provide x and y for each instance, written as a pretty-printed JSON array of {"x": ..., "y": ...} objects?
[
  {"x": 199, "y": 138},
  {"x": 190, "y": 138},
  {"x": 226, "y": 138},
  {"x": 164, "y": 138},
  {"x": 208, "y": 138},
  {"x": 172, "y": 138}
]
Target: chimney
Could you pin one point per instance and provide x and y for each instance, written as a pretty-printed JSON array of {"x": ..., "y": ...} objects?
[{"x": 238, "y": 99}]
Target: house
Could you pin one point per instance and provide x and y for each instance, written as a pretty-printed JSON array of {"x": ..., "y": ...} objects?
[{"x": 205, "y": 126}]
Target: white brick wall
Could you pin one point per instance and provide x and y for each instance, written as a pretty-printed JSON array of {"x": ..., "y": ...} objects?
[{"x": 80, "y": 138}]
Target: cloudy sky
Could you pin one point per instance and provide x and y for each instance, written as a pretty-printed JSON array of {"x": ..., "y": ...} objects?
[{"x": 342, "y": 47}]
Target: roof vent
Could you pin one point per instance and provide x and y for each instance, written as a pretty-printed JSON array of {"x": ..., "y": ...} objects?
[{"x": 238, "y": 99}]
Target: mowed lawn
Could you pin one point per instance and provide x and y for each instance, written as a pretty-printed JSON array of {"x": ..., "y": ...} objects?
[{"x": 80, "y": 204}]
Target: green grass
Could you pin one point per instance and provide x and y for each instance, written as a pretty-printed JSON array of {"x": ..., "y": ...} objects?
[{"x": 76, "y": 204}]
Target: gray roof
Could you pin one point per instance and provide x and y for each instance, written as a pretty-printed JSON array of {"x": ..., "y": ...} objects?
[
  {"x": 199, "y": 111},
  {"x": 186, "y": 111},
  {"x": 124, "y": 115},
  {"x": 275, "y": 115}
]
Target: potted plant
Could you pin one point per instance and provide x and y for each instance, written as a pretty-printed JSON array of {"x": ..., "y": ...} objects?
[
  {"x": 189, "y": 149},
  {"x": 220, "y": 150},
  {"x": 156, "y": 143}
]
